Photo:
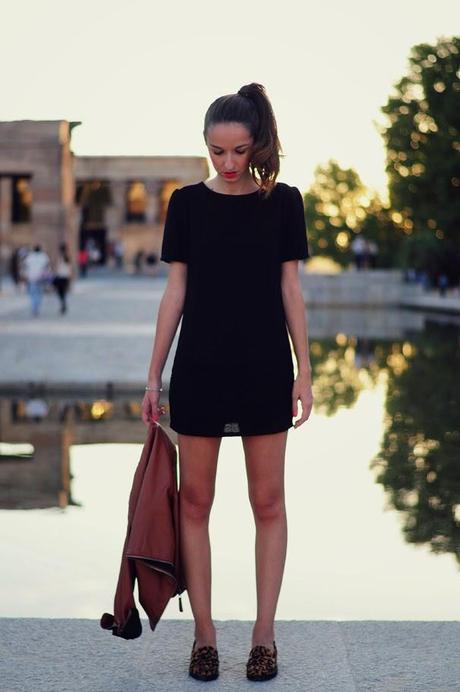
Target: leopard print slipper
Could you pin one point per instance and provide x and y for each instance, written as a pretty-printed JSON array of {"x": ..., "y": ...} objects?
[
  {"x": 262, "y": 663},
  {"x": 204, "y": 663}
]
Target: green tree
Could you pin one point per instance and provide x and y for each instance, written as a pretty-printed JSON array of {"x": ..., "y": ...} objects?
[
  {"x": 379, "y": 226},
  {"x": 422, "y": 138},
  {"x": 338, "y": 206}
]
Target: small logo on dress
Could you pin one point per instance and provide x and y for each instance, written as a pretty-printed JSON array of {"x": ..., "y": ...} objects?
[{"x": 231, "y": 427}]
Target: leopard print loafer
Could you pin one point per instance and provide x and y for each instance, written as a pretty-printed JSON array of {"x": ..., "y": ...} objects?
[
  {"x": 204, "y": 663},
  {"x": 262, "y": 663}
]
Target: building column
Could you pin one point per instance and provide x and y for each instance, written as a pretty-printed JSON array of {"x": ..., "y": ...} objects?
[
  {"x": 115, "y": 213},
  {"x": 6, "y": 192},
  {"x": 53, "y": 208},
  {"x": 48, "y": 217},
  {"x": 152, "y": 188},
  {"x": 69, "y": 216}
]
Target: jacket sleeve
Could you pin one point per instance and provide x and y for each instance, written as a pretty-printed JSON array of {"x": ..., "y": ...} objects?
[
  {"x": 175, "y": 247},
  {"x": 293, "y": 242}
]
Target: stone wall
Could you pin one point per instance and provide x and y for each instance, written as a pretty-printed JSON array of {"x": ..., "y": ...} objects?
[
  {"x": 384, "y": 287},
  {"x": 39, "y": 150}
]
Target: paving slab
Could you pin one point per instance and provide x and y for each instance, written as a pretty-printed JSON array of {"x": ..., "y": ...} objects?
[
  {"x": 106, "y": 335},
  {"x": 65, "y": 655}
]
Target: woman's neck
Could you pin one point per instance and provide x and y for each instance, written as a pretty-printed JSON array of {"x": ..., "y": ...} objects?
[{"x": 245, "y": 185}]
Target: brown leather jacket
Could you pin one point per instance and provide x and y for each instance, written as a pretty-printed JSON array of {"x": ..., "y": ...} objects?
[{"x": 151, "y": 552}]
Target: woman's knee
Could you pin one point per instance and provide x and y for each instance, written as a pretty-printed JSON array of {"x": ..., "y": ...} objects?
[
  {"x": 267, "y": 504},
  {"x": 196, "y": 502}
]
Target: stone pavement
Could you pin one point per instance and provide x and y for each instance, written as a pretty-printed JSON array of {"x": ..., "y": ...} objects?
[
  {"x": 59, "y": 655},
  {"x": 107, "y": 334}
]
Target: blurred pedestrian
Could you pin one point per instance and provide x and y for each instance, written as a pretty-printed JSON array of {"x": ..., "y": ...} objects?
[
  {"x": 83, "y": 259},
  {"x": 62, "y": 277},
  {"x": 118, "y": 253},
  {"x": 425, "y": 280},
  {"x": 22, "y": 254},
  {"x": 151, "y": 259},
  {"x": 36, "y": 409},
  {"x": 36, "y": 268},
  {"x": 358, "y": 249},
  {"x": 94, "y": 252},
  {"x": 14, "y": 267},
  {"x": 139, "y": 261},
  {"x": 372, "y": 252},
  {"x": 443, "y": 282}
]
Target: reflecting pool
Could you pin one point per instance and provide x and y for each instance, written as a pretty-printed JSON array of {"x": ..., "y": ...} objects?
[{"x": 372, "y": 486}]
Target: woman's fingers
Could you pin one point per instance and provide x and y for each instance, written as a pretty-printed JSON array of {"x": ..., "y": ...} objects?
[
  {"x": 306, "y": 401},
  {"x": 151, "y": 410},
  {"x": 301, "y": 420},
  {"x": 145, "y": 410}
]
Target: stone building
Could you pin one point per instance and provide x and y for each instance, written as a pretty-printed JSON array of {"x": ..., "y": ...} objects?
[{"x": 50, "y": 196}]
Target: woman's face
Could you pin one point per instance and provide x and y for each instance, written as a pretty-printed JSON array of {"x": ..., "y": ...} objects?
[{"x": 230, "y": 146}]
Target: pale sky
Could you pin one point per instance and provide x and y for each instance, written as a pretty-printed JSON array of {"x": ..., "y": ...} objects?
[{"x": 140, "y": 75}]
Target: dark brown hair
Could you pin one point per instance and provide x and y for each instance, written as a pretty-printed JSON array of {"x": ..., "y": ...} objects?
[{"x": 251, "y": 107}]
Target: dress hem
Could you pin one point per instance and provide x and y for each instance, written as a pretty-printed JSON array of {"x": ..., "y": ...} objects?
[{"x": 232, "y": 434}]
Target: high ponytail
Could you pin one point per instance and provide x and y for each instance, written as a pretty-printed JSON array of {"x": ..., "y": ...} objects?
[{"x": 251, "y": 107}]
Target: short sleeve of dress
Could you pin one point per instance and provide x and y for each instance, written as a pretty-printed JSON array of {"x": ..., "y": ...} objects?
[
  {"x": 294, "y": 243},
  {"x": 175, "y": 246}
]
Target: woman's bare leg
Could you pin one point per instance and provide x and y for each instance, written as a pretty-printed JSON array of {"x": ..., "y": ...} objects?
[
  {"x": 198, "y": 464},
  {"x": 265, "y": 455}
]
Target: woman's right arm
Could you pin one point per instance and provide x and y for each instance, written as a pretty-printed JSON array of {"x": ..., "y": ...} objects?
[{"x": 169, "y": 315}]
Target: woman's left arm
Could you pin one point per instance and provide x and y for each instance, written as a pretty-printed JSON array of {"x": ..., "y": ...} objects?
[{"x": 294, "y": 308}]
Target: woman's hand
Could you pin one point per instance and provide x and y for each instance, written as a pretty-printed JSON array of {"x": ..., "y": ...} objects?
[
  {"x": 151, "y": 411},
  {"x": 302, "y": 390}
]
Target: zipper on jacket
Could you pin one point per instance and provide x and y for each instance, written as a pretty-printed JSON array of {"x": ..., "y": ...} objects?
[{"x": 180, "y": 605}]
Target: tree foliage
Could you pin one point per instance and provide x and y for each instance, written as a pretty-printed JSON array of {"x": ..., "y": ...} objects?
[
  {"x": 338, "y": 206},
  {"x": 422, "y": 138}
]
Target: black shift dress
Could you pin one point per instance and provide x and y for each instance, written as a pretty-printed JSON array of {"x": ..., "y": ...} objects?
[{"x": 233, "y": 370}]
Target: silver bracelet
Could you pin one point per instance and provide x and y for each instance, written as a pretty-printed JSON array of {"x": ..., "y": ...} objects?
[{"x": 152, "y": 389}]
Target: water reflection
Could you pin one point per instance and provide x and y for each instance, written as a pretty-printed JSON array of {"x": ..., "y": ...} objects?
[
  {"x": 38, "y": 428},
  {"x": 342, "y": 368},
  {"x": 385, "y": 420},
  {"x": 418, "y": 464}
]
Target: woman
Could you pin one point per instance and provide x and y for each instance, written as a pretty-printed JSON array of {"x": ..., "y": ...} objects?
[
  {"x": 36, "y": 273},
  {"x": 62, "y": 276},
  {"x": 233, "y": 244}
]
